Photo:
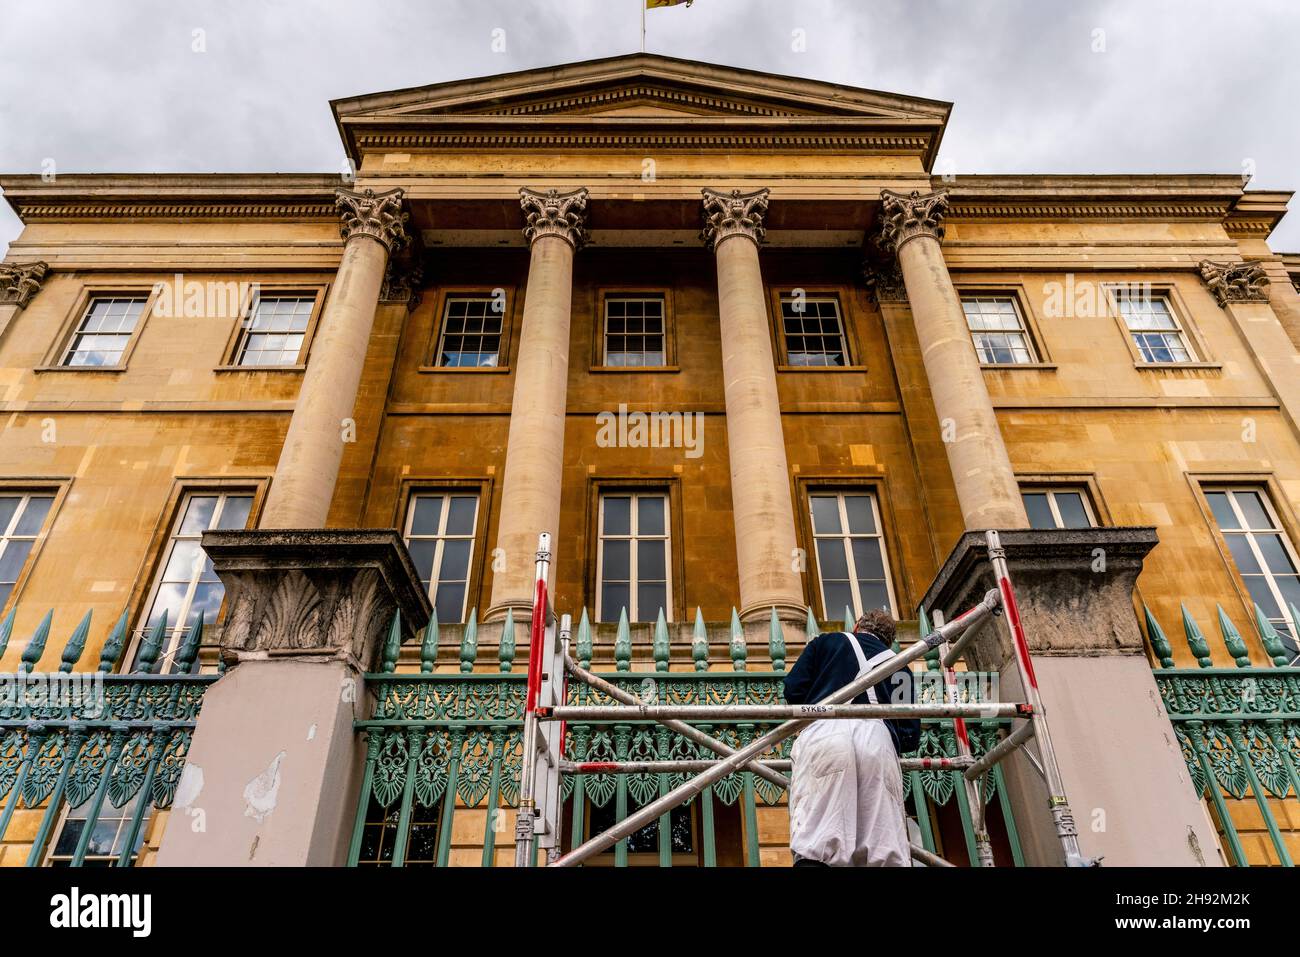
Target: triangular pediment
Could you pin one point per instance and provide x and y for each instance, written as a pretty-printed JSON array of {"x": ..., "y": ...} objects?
[{"x": 640, "y": 85}]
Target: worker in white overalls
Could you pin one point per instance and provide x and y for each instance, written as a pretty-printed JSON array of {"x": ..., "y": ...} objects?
[{"x": 846, "y": 789}]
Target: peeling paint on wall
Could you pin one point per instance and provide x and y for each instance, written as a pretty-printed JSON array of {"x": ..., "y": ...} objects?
[{"x": 263, "y": 791}]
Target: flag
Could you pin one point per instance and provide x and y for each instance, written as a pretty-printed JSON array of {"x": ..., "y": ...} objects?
[{"x": 651, "y": 4}]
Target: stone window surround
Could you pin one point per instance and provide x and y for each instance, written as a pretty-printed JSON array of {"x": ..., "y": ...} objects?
[
  {"x": 1029, "y": 319},
  {"x": 854, "y": 481},
  {"x": 90, "y": 291},
  {"x": 1085, "y": 482},
  {"x": 1266, "y": 483},
  {"x": 671, "y": 486},
  {"x": 1181, "y": 314},
  {"x": 42, "y": 485},
  {"x": 634, "y": 291},
  {"x": 155, "y": 554},
  {"x": 842, "y": 295},
  {"x": 480, "y": 554},
  {"x": 509, "y": 319},
  {"x": 234, "y": 343}
]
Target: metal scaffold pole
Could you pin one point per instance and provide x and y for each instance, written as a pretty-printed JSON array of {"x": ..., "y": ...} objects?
[{"x": 546, "y": 705}]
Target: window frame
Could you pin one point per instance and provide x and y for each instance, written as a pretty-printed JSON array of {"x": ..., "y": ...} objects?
[
  {"x": 600, "y": 327},
  {"x": 79, "y": 311},
  {"x": 155, "y": 558},
  {"x": 888, "y": 543},
  {"x": 1264, "y": 484},
  {"x": 442, "y": 538},
  {"x": 1028, "y": 322},
  {"x": 777, "y": 294},
  {"x": 633, "y": 536},
  {"x": 234, "y": 347},
  {"x": 434, "y": 348},
  {"x": 1051, "y": 490},
  {"x": 615, "y": 484},
  {"x": 485, "y": 489},
  {"x": 1195, "y": 344},
  {"x": 58, "y": 488}
]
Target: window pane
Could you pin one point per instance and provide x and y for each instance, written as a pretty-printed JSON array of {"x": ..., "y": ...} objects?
[
  {"x": 1038, "y": 509},
  {"x": 235, "y": 512},
  {"x": 1073, "y": 514},
  {"x": 831, "y": 561},
  {"x": 170, "y": 599},
  {"x": 8, "y": 505},
  {"x": 874, "y": 595},
  {"x": 649, "y": 515},
  {"x": 867, "y": 559},
  {"x": 450, "y": 601},
  {"x": 616, "y": 564},
  {"x": 650, "y": 560},
  {"x": 650, "y": 598},
  {"x": 861, "y": 519},
  {"x": 613, "y": 599},
  {"x": 1289, "y": 586},
  {"x": 207, "y": 601},
  {"x": 1242, "y": 554},
  {"x": 184, "y": 562},
  {"x": 1252, "y": 509},
  {"x": 33, "y": 516},
  {"x": 422, "y": 551},
  {"x": 825, "y": 514},
  {"x": 837, "y": 596},
  {"x": 428, "y": 513},
  {"x": 618, "y": 515},
  {"x": 460, "y": 515},
  {"x": 1262, "y": 595},
  {"x": 1223, "y": 513},
  {"x": 1275, "y": 557},
  {"x": 11, "y": 562},
  {"x": 198, "y": 514},
  {"x": 455, "y": 559}
]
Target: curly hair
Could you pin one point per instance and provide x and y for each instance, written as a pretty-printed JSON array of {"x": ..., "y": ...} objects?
[{"x": 880, "y": 623}]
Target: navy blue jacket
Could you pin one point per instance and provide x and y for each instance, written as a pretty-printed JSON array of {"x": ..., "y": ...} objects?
[{"x": 828, "y": 664}]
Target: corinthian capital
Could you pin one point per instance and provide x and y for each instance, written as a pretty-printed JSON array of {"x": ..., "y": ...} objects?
[
  {"x": 20, "y": 281},
  {"x": 1235, "y": 282},
  {"x": 733, "y": 214},
  {"x": 907, "y": 216},
  {"x": 552, "y": 213},
  {"x": 377, "y": 215}
]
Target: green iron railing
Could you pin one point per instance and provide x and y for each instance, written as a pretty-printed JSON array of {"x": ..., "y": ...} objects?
[
  {"x": 443, "y": 745},
  {"x": 109, "y": 747},
  {"x": 1239, "y": 728}
]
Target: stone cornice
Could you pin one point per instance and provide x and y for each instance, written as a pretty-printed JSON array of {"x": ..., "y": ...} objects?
[
  {"x": 733, "y": 214},
  {"x": 668, "y": 136},
  {"x": 20, "y": 281},
  {"x": 1235, "y": 282},
  {"x": 81, "y": 197},
  {"x": 552, "y": 213},
  {"x": 377, "y": 216}
]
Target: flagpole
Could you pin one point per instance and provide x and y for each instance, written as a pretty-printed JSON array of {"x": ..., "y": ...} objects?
[{"x": 642, "y": 2}]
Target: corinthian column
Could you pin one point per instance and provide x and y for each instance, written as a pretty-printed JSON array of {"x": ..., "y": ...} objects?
[
  {"x": 372, "y": 227},
  {"x": 530, "y": 493},
  {"x": 981, "y": 470},
  {"x": 760, "y": 479}
]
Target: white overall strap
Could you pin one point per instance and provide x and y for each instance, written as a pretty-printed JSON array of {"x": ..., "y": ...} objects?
[{"x": 865, "y": 664}]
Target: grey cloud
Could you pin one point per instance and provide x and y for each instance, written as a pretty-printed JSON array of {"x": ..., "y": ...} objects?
[{"x": 1181, "y": 87}]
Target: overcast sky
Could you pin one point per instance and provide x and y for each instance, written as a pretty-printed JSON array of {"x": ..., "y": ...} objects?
[{"x": 1040, "y": 86}]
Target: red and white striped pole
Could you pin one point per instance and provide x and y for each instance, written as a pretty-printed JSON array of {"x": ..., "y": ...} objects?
[
  {"x": 526, "y": 819},
  {"x": 1062, "y": 816}
]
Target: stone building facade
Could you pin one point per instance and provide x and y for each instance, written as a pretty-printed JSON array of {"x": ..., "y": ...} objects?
[{"x": 725, "y": 334}]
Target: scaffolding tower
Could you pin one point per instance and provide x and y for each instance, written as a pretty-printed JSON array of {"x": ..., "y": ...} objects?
[{"x": 550, "y": 666}]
